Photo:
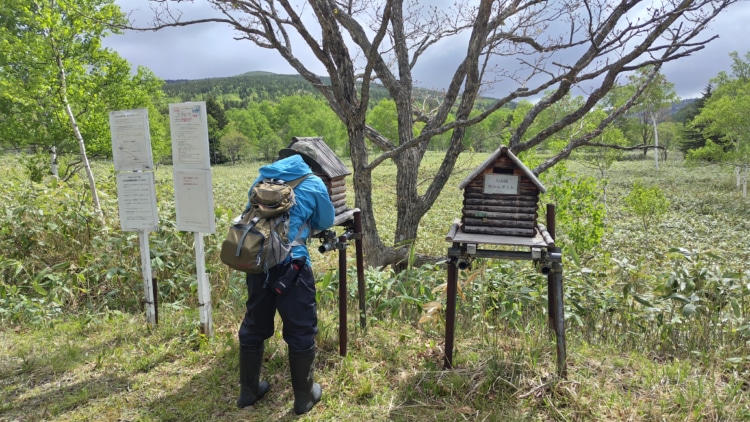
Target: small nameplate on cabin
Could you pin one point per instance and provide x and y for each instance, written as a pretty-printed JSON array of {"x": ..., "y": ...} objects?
[{"x": 501, "y": 184}]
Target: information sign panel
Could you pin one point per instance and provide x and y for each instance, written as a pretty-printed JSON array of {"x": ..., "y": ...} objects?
[
  {"x": 194, "y": 200},
  {"x": 501, "y": 184},
  {"x": 189, "y": 129},
  {"x": 131, "y": 140},
  {"x": 137, "y": 201}
]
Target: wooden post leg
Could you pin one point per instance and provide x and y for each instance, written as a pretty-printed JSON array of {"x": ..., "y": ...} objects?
[
  {"x": 360, "y": 268},
  {"x": 343, "y": 334},
  {"x": 558, "y": 317},
  {"x": 450, "y": 313},
  {"x": 551, "y": 277}
]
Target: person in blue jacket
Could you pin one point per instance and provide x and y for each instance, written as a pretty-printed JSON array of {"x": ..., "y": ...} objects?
[{"x": 313, "y": 211}]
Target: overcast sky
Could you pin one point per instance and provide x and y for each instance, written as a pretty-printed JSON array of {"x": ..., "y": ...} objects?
[{"x": 210, "y": 50}]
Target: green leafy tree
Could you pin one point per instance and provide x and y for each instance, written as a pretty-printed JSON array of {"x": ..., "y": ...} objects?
[
  {"x": 308, "y": 116},
  {"x": 491, "y": 132},
  {"x": 57, "y": 82},
  {"x": 652, "y": 106},
  {"x": 726, "y": 114},
  {"x": 251, "y": 121},
  {"x": 234, "y": 144},
  {"x": 217, "y": 121},
  {"x": 694, "y": 135}
]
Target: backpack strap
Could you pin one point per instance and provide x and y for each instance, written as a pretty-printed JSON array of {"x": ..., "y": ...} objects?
[{"x": 294, "y": 183}]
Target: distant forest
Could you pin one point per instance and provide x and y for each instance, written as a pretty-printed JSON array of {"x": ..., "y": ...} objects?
[{"x": 238, "y": 91}]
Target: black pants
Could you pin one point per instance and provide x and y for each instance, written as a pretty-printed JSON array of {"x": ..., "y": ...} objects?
[{"x": 297, "y": 309}]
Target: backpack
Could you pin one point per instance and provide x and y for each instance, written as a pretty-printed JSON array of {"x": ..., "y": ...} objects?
[{"x": 259, "y": 240}]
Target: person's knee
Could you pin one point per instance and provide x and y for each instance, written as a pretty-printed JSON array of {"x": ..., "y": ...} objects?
[
  {"x": 251, "y": 338},
  {"x": 299, "y": 344}
]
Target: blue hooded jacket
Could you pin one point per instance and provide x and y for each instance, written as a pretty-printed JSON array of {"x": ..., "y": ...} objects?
[{"x": 313, "y": 205}]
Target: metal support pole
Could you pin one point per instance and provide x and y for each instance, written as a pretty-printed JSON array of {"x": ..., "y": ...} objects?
[
  {"x": 559, "y": 316},
  {"x": 147, "y": 284},
  {"x": 550, "y": 277},
  {"x": 343, "y": 335},
  {"x": 360, "y": 268},
  {"x": 155, "y": 289},
  {"x": 450, "y": 313}
]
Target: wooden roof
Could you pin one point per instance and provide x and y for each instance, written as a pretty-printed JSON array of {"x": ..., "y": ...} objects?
[
  {"x": 503, "y": 150},
  {"x": 331, "y": 163}
]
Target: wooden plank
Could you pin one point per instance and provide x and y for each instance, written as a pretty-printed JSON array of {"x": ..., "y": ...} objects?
[
  {"x": 338, "y": 197},
  {"x": 498, "y": 208},
  {"x": 454, "y": 229},
  {"x": 508, "y": 201},
  {"x": 501, "y": 231},
  {"x": 338, "y": 182},
  {"x": 528, "y": 189},
  {"x": 545, "y": 235},
  {"x": 338, "y": 210},
  {"x": 460, "y": 236},
  {"x": 336, "y": 190},
  {"x": 481, "y": 214},
  {"x": 528, "y": 224}
]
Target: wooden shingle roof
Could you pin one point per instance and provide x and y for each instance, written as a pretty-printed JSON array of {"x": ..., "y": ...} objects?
[
  {"x": 503, "y": 150},
  {"x": 331, "y": 163}
]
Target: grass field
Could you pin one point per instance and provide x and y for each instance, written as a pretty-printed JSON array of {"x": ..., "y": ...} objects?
[{"x": 658, "y": 314}]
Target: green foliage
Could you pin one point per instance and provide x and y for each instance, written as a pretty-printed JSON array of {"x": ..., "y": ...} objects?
[
  {"x": 709, "y": 153},
  {"x": 648, "y": 203},
  {"x": 58, "y": 258},
  {"x": 580, "y": 211},
  {"x": 217, "y": 122},
  {"x": 36, "y": 167},
  {"x": 304, "y": 116},
  {"x": 234, "y": 144},
  {"x": 662, "y": 316},
  {"x": 724, "y": 115},
  {"x": 43, "y": 40}
]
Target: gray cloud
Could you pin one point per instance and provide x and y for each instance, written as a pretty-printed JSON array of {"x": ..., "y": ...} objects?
[{"x": 210, "y": 50}]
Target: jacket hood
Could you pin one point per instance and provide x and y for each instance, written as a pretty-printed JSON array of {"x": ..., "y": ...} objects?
[{"x": 287, "y": 169}]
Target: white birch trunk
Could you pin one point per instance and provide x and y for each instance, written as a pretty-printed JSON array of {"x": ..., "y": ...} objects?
[
  {"x": 53, "y": 161},
  {"x": 78, "y": 136},
  {"x": 656, "y": 141}
]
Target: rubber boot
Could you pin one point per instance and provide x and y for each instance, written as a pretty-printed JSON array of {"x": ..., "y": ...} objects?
[
  {"x": 251, "y": 389},
  {"x": 306, "y": 392}
]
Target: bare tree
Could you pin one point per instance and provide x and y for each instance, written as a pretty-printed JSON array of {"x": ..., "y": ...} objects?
[{"x": 554, "y": 47}]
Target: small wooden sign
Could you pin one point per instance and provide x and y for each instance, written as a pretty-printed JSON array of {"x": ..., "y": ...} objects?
[{"x": 500, "y": 184}]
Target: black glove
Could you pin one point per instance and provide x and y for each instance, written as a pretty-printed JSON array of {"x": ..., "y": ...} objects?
[{"x": 288, "y": 276}]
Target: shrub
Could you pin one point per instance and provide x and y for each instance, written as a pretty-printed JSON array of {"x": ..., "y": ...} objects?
[{"x": 648, "y": 203}]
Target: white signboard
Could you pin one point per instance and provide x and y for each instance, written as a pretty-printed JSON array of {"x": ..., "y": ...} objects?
[
  {"x": 501, "y": 184},
  {"x": 194, "y": 201},
  {"x": 137, "y": 201},
  {"x": 188, "y": 123},
  {"x": 131, "y": 140}
]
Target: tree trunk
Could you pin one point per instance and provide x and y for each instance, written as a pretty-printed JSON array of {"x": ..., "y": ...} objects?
[
  {"x": 53, "y": 161},
  {"x": 375, "y": 252},
  {"x": 78, "y": 136}
]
